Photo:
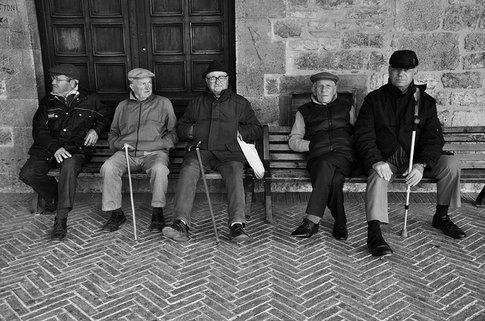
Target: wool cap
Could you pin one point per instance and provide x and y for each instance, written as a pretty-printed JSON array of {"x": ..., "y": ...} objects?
[
  {"x": 215, "y": 65},
  {"x": 405, "y": 59},
  {"x": 324, "y": 75},
  {"x": 67, "y": 70},
  {"x": 140, "y": 73}
]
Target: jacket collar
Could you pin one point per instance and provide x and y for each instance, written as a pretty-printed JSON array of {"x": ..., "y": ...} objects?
[
  {"x": 224, "y": 95},
  {"x": 396, "y": 92},
  {"x": 133, "y": 97}
]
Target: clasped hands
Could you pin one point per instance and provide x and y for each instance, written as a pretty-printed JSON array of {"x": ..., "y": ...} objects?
[
  {"x": 90, "y": 140},
  {"x": 412, "y": 178}
]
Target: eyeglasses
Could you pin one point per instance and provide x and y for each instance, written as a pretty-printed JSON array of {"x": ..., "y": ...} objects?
[
  {"x": 214, "y": 79},
  {"x": 56, "y": 78}
]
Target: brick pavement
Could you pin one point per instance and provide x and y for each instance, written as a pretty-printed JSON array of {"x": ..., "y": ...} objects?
[{"x": 94, "y": 275}]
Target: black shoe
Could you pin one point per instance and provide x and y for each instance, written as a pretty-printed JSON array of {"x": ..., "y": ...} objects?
[
  {"x": 237, "y": 233},
  {"x": 340, "y": 232},
  {"x": 306, "y": 229},
  {"x": 48, "y": 206},
  {"x": 376, "y": 244},
  {"x": 116, "y": 219},
  {"x": 449, "y": 228},
  {"x": 59, "y": 230},
  {"x": 158, "y": 222},
  {"x": 178, "y": 231}
]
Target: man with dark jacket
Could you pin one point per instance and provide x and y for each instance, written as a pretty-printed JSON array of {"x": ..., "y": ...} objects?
[
  {"x": 144, "y": 123},
  {"x": 214, "y": 118},
  {"x": 323, "y": 129},
  {"x": 383, "y": 142},
  {"x": 65, "y": 128}
]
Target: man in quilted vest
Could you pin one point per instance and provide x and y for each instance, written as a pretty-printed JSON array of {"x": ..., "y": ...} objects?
[{"x": 323, "y": 130}]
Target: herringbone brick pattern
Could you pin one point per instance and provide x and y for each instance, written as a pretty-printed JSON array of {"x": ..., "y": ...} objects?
[{"x": 94, "y": 275}]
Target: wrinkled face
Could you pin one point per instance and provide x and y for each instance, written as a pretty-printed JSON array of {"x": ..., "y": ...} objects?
[
  {"x": 401, "y": 78},
  {"x": 324, "y": 90},
  {"x": 142, "y": 87},
  {"x": 217, "y": 81},
  {"x": 61, "y": 84}
]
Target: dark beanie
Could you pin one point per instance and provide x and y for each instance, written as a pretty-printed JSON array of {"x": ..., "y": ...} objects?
[{"x": 215, "y": 65}]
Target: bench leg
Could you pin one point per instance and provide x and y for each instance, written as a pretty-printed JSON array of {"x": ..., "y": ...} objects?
[
  {"x": 37, "y": 206},
  {"x": 268, "y": 202},
  {"x": 480, "y": 202},
  {"x": 249, "y": 192}
]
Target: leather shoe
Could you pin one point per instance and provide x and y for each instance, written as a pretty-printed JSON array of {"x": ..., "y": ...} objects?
[
  {"x": 158, "y": 222},
  {"x": 306, "y": 229},
  {"x": 116, "y": 219},
  {"x": 377, "y": 245},
  {"x": 178, "y": 231},
  {"x": 340, "y": 232},
  {"x": 237, "y": 233},
  {"x": 59, "y": 230},
  {"x": 449, "y": 228}
]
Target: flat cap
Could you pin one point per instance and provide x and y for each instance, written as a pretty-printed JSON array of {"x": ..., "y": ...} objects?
[
  {"x": 67, "y": 70},
  {"x": 140, "y": 73},
  {"x": 215, "y": 65},
  {"x": 404, "y": 59},
  {"x": 323, "y": 75}
]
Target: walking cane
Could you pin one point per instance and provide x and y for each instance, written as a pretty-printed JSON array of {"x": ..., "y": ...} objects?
[
  {"x": 404, "y": 232},
  {"x": 206, "y": 189},
  {"x": 126, "y": 146}
]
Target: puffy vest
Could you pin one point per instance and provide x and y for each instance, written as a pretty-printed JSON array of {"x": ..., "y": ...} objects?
[{"x": 328, "y": 127}]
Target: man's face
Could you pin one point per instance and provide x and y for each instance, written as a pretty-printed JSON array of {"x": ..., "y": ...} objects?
[
  {"x": 217, "y": 81},
  {"x": 142, "y": 87},
  {"x": 324, "y": 90},
  {"x": 61, "y": 84},
  {"x": 401, "y": 78}
]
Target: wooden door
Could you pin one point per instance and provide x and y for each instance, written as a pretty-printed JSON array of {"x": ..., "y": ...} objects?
[{"x": 176, "y": 39}]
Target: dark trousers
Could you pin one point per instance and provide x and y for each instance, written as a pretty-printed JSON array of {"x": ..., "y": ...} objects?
[
  {"x": 232, "y": 174},
  {"x": 34, "y": 174},
  {"x": 327, "y": 184}
]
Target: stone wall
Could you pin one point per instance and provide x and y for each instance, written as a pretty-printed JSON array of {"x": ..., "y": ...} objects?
[
  {"x": 280, "y": 43},
  {"x": 19, "y": 58}
]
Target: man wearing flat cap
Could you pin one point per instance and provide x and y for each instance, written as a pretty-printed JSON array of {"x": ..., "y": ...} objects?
[
  {"x": 212, "y": 121},
  {"x": 65, "y": 128},
  {"x": 383, "y": 132},
  {"x": 323, "y": 130},
  {"x": 145, "y": 124}
]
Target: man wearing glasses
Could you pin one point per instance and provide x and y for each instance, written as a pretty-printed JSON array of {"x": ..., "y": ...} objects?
[
  {"x": 213, "y": 119},
  {"x": 65, "y": 128}
]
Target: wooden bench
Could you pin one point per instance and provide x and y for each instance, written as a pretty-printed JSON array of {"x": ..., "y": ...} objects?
[
  {"x": 102, "y": 152},
  {"x": 283, "y": 164}
]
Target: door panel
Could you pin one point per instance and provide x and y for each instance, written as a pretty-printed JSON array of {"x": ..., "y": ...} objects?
[{"x": 176, "y": 39}]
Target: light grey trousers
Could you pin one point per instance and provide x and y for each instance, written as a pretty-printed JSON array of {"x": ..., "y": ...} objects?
[
  {"x": 154, "y": 164},
  {"x": 446, "y": 172}
]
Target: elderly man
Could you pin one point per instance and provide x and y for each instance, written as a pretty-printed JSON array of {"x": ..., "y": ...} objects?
[
  {"x": 214, "y": 119},
  {"x": 144, "y": 123},
  {"x": 383, "y": 142},
  {"x": 323, "y": 129},
  {"x": 65, "y": 128}
]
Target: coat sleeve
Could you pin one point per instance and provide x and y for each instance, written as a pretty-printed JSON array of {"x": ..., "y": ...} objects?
[
  {"x": 249, "y": 126},
  {"x": 40, "y": 130},
  {"x": 114, "y": 132},
  {"x": 365, "y": 135},
  {"x": 296, "y": 141},
  {"x": 170, "y": 138},
  {"x": 185, "y": 125},
  {"x": 104, "y": 113},
  {"x": 429, "y": 144}
]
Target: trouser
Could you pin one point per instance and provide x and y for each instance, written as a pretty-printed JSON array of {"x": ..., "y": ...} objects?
[
  {"x": 446, "y": 172},
  {"x": 155, "y": 164},
  {"x": 34, "y": 173},
  {"x": 232, "y": 174},
  {"x": 327, "y": 184}
]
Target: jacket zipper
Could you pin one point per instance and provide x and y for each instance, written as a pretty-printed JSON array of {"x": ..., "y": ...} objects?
[{"x": 138, "y": 127}]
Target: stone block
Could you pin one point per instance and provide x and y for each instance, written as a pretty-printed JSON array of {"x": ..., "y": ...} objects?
[
  {"x": 14, "y": 32},
  {"x": 10, "y": 183},
  {"x": 271, "y": 85},
  {"x": 436, "y": 51},
  {"x": 377, "y": 80},
  {"x": 469, "y": 117},
  {"x": 265, "y": 108},
  {"x": 287, "y": 29},
  {"x": 303, "y": 45},
  {"x": 475, "y": 42},
  {"x": 255, "y": 50},
  {"x": 334, "y": 4},
  {"x": 463, "y": 98},
  {"x": 431, "y": 79},
  {"x": 17, "y": 112},
  {"x": 377, "y": 61},
  {"x": 474, "y": 61},
  {"x": 250, "y": 82},
  {"x": 417, "y": 15},
  {"x": 3, "y": 89},
  {"x": 459, "y": 17},
  {"x": 17, "y": 70},
  {"x": 337, "y": 60},
  {"x": 442, "y": 97},
  {"x": 467, "y": 79},
  {"x": 6, "y": 137},
  {"x": 362, "y": 40},
  {"x": 298, "y": 3},
  {"x": 260, "y": 9}
]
